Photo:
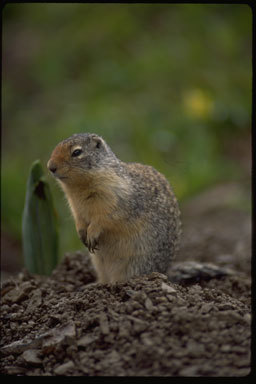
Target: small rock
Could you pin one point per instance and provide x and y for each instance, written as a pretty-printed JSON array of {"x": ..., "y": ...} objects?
[
  {"x": 104, "y": 324},
  {"x": 85, "y": 340},
  {"x": 195, "y": 289},
  {"x": 14, "y": 325},
  {"x": 15, "y": 296},
  {"x": 113, "y": 356},
  {"x": 157, "y": 275},
  {"x": 19, "y": 346},
  {"x": 190, "y": 371},
  {"x": 225, "y": 306},
  {"x": 139, "y": 327},
  {"x": 146, "y": 339},
  {"x": 148, "y": 304},
  {"x": 195, "y": 349},
  {"x": 167, "y": 288},
  {"x": 242, "y": 362},
  {"x": 15, "y": 370},
  {"x": 206, "y": 307},
  {"x": 57, "y": 336},
  {"x": 31, "y": 357},
  {"x": 130, "y": 292},
  {"x": 124, "y": 331},
  {"x": 225, "y": 348},
  {"x": 248, "y": 318},
  {"x": 64, "y": 368},
  {"x": 36, "y": 299},
  {"x": 140, "y": 297}
]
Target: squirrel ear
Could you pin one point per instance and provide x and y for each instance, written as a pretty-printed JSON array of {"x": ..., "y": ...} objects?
[{"x": 97, "y": 142}]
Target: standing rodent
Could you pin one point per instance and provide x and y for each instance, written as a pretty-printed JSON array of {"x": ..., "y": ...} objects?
[{"x": 125, "y": 213}]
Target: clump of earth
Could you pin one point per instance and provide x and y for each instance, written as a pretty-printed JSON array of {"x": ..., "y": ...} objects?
[{"x": 194, "y": 321}]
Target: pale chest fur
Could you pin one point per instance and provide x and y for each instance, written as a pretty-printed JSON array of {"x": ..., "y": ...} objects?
[
  {"x": 86, "y": 206},
  {"x": 97, "y": 201}
]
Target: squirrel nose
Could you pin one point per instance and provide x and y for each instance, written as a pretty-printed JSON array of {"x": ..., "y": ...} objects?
[
  {"x": 53, "y": 169},
  {"x": 51, "y": 166}
]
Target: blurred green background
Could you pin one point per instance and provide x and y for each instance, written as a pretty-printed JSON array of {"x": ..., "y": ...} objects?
[{"x": 167, "y": 85}]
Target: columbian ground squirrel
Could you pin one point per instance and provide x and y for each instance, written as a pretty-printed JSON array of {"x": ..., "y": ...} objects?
[{"x": 125, "y": 213}]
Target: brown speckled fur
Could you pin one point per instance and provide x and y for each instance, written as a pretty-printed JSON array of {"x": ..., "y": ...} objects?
[{"x": 125, "y": 213}]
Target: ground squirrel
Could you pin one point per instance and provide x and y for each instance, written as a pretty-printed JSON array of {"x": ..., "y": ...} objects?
[{"x": 125, "y": 213}]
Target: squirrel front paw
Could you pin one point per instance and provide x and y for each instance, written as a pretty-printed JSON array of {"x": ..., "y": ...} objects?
[
  {"x": 83, "y": 236},
  {"x": 92, "y": 245},
  {"x": 90, "y": 242}
]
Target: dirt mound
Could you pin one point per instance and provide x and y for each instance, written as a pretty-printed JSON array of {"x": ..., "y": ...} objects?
[{"x": 148, "y": 326}]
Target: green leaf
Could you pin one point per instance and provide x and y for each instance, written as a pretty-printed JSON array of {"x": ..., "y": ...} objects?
[{"x": 39, "y": 224}]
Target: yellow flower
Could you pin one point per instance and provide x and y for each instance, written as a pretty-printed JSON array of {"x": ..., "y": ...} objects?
[{"x": 197, "y": 103}]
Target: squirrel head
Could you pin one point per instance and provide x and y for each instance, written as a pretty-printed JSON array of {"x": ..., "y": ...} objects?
[{"x": 79, "y": 156}]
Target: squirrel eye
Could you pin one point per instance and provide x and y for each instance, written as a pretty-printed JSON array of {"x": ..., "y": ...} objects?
[{"x": 76, "y": 152}]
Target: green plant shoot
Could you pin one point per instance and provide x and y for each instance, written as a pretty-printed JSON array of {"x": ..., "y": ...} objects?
[{"x": 39, "y": 224}]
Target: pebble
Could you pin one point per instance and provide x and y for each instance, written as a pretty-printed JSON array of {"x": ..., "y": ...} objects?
[
  {"x": 206, "y": 307},
  {"x": 149, "y": 304},
  {"x": 167, "y": 288},
  {"x": 225, "y": 348},
  {"x": 31, "y": 357},
  {"x": 64, "y": 368},
  {"x": 85, "y": 340},
  {"x": 104, "y": 324}
]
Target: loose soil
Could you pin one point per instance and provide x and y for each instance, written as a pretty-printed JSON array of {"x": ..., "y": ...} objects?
[{"x": 194, "y": 322}]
